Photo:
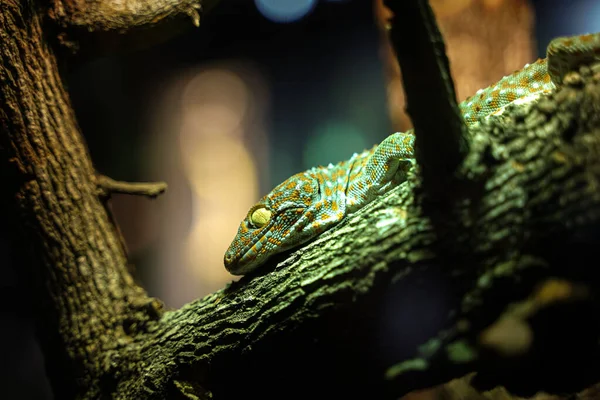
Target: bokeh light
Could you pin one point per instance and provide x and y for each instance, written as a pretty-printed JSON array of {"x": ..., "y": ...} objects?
[
  {"x": 217, "y": 100},
  {"x": 284, "y": 11},
  {"x": 334, "y": 141},
  {"x": 212, "y": 173}
]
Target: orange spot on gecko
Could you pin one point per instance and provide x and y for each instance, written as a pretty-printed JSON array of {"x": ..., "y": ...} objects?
[
  {"x": 320, "y": 179},
  {"x": 274, "y": 240},
  {"x": 494, "y": 96},
  {"x": 511, "y": 96}
]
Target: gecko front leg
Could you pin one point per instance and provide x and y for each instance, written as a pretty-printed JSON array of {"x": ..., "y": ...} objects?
[{"x": 384, "y": 168}]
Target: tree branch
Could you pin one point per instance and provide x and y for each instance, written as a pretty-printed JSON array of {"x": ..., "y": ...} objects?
[
  {"x": 440, "y": 142},
  {"x": 93, "y": 28},
  {"x": 335, "y": 311},
  {"x": 117, "y": 15},
  {"x": 538, "y": 167},
  {"x": 344, "y": 315},
  {"x": 107, "y": 186},
  {"x": 85, "y": 300}
]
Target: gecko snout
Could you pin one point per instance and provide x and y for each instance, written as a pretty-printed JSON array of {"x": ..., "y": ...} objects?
[{"x": 231, "y": 262}]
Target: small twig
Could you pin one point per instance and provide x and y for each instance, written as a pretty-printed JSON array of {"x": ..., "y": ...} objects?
[{"x": 108, "y": 186}]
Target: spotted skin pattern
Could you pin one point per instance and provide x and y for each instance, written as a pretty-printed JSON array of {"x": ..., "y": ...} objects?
[{"x": 313, "y": 201}]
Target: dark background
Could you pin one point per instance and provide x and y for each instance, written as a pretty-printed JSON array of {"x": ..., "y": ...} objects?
[{"x": 322, "y": 70}]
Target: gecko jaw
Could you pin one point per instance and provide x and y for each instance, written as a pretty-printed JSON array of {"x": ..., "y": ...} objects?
[{"x": 254, "y": 246}]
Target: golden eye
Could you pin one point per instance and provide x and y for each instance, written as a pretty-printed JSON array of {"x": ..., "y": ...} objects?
[{"x": 260, "y": 217}]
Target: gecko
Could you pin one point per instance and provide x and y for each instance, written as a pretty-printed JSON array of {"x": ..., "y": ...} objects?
[{"x": 313, "y": 201}]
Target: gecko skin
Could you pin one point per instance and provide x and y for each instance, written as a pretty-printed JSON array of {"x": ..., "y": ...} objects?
[{"x": 313, "y": 201}]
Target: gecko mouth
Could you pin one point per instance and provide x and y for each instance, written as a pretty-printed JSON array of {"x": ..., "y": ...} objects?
[
  {"x": 252, "y": 247},
  {"x": 240, "y": 261},
  {"x": 232, "y": 265}
]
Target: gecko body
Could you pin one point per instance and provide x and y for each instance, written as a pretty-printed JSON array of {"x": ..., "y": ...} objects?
[{"x": 310, "y": 202}]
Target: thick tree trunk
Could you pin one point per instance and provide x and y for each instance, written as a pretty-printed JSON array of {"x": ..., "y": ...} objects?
[
  {"x": 503, "y": 249},
  {"x": 86, "y": 302}
]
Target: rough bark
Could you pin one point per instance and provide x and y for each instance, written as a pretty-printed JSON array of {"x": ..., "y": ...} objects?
[
  {"x": 512, "y": 253},
  {"x": 84, "y": 295}
]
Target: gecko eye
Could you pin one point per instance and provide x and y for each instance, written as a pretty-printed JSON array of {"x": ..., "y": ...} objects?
[{"x": 260, "y": 217}]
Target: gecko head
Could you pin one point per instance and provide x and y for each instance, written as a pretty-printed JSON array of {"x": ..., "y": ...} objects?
[{"x": 275, "y": 224}]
